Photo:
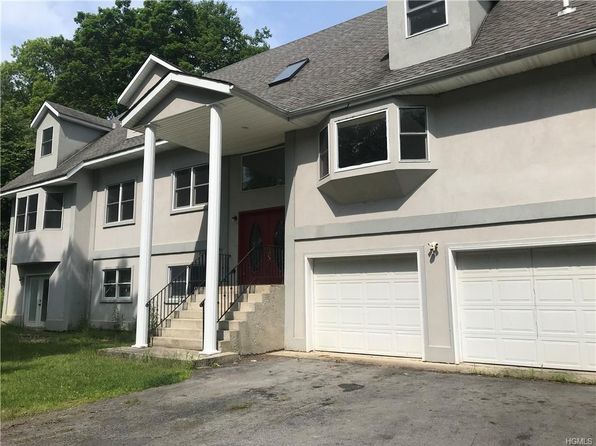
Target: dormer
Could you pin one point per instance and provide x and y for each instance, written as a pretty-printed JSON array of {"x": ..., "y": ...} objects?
[
  {"x": 421, "y": 30},
  {"x": 61, "y": 131},
  {"x": 151, "y": 72}
]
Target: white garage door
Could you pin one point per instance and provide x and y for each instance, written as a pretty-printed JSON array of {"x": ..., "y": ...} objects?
[
  {"x": 532, "y": 307},
  {"x": 368, "y": 305}
]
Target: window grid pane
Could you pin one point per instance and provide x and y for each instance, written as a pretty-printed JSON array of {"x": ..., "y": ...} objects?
[
  {"x": 117, "y": 283},
  {"x": 120, "y": 202},
  {"x": 426, "y": 17},
  {"x": 46, "y": 141},
  {"x": 31, "y": 212},
  {"x": 53, "y": 213},
  {"x": 21, "y": 211},
  {"x": 362, "y": 140},
  {"x": 323, "y": 153}
]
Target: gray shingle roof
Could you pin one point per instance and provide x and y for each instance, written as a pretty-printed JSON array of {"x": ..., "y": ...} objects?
[
  {"x": 71, "y": 112},
  {"x": 112, "y": 142},
  {"x": 350, "y": 58},
  {"x": 346, "y": 59}
]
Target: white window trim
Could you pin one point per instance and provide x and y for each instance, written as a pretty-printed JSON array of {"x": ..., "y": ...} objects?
[
  {"x": 120, "y": 222},
  {"x": 191, "y": 206},
  {"x": 271, "y": 149},
  {"x": 116, "y": 299},
  {"x": 45, "y": 209},
  {"x": 350, "y": 117},
  {"x": 407, "y": 23},
  {"x": 399, "y": 133},
  {"x": 51, "y": 140},
  {"x": 326, "y": 126},
  {"x": 26, "y": 215}
]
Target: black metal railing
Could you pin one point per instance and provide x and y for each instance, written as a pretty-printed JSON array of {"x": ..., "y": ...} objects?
[
  {"x": 188, "y": 282},
  {"x": 262, "y": 265}
]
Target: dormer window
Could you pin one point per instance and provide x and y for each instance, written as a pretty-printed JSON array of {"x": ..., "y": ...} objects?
[
  {"x": 425, "y": 15},
  {"x": 46, "y": 141}
]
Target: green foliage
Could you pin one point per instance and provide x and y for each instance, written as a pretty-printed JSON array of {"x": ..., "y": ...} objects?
[
  {"x": 90, "y": 71},
  {"x": 43, "y": 371}
]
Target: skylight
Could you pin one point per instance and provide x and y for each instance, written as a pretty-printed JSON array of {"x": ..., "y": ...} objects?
[{"x": 288, "y": 72}]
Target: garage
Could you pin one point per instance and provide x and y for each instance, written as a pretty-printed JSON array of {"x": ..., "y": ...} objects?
[
  {"x": 528, "y": 307},
  {"x": 368, "y": 305}
]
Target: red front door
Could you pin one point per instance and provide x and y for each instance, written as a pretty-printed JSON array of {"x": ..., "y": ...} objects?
[{"x": 260, "y": 246}]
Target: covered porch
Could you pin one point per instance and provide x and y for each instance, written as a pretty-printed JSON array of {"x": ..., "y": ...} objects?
[{"x": 215, "y": 118}]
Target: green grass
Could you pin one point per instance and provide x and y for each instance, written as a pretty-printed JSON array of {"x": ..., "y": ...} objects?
[{"x": 43, "y": 371}]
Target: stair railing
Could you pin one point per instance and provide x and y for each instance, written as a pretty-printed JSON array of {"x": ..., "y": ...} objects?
[
  {"x": 184, "y": 285},
  {"x": 261, "y": 265}
]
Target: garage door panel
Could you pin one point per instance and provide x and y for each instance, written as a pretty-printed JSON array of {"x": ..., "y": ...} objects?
[
  {"x": 480, "y": 349},
  {"x": 519, "y": 321},
  {"x": 510, "y": 291},
  {"x": 376, "y": 303},
  {"x": 352, "y": 317},
  {"x": 589, "y": 323},
  {"x": 520, "y": 351},
  {"x": 471, "y": 292},
  {"x": 551, "y": 290},
  {"x": 406, "y": 318},
  {"x": 479, "y": 320},
  {"x": 587, "y": 289},
  {"x": 560, "y": 354},
  {"x": 557, "y": 322},
  {"x": 544, "y": 301}
]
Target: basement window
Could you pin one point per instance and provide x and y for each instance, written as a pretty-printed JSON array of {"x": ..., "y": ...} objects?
[
  {"x": 288, "y": 72},
  {"x": 425, "y": 15},
  {"x": 413, "y": 134},
  {"x": 117, "y": 284},
  {"x": 362, "y": 140}
]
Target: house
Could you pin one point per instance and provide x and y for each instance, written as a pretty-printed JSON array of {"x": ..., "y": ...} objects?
[{"x": 419, "y": 181}]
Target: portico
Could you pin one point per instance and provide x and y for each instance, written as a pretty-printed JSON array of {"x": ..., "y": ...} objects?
[{"x": 207, "y": 116}]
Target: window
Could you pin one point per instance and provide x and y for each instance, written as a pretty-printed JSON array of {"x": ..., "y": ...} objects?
[
  {"x": 52, "y": 218},
  {"x": 362, "y": 140},
  {"x": 191, "y": 186},
  {"x": 46, "y": 141},
  {"x": 324, "y": 153},
  {"x": 413, "y": 133},
  {"x": 424, "y": 15},
  {"x": 26, "y": 213},
  {"x": 184, "y": 280},
  {"x": 117, "y": 284},
  {"x": 288, "y": 72},
  {"x": 120, "y": 202},
  {"x": 263, "y": 169}
]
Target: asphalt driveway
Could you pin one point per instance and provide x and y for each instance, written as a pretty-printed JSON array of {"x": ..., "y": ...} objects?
[{"x": 282, "y": 401}]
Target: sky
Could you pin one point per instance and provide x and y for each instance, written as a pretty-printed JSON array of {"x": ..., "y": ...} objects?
[{"x": 21, "y": 20}]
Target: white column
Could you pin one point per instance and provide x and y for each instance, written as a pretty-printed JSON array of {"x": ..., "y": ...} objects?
[
  {"x": 146, "y": 236},
  {"x": 213, "y": 230}
]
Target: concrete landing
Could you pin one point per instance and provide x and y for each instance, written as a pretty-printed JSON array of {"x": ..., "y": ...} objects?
[{"x": 177, "y": 354}]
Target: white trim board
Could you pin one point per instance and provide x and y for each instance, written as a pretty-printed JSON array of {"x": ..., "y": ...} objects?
[{"x": 77, "y": 168}]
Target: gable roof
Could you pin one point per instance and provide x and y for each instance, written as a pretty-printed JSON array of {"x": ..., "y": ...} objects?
[
  {"x": 109, "y": 144},
  {"x": 350, "y": 58},
  {"x": 70, "y": 114}
]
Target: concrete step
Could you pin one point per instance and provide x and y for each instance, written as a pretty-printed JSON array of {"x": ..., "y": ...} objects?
[
  {"x": 247, "y": 307},
  {"x": 187, "y": 333},
  {"x": 254, "y": 298},
  {"x": 181, "y": 323},
  {"x": 229, "y": 325},
  {"x": 225, "y": 346},
  {"x": 190, "y": 344},
  {"x": 192, "y": 306},
  {"x": 188, "y": 314}
]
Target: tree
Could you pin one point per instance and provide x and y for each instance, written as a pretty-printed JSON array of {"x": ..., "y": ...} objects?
[{"x": 90, "y": 71}]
